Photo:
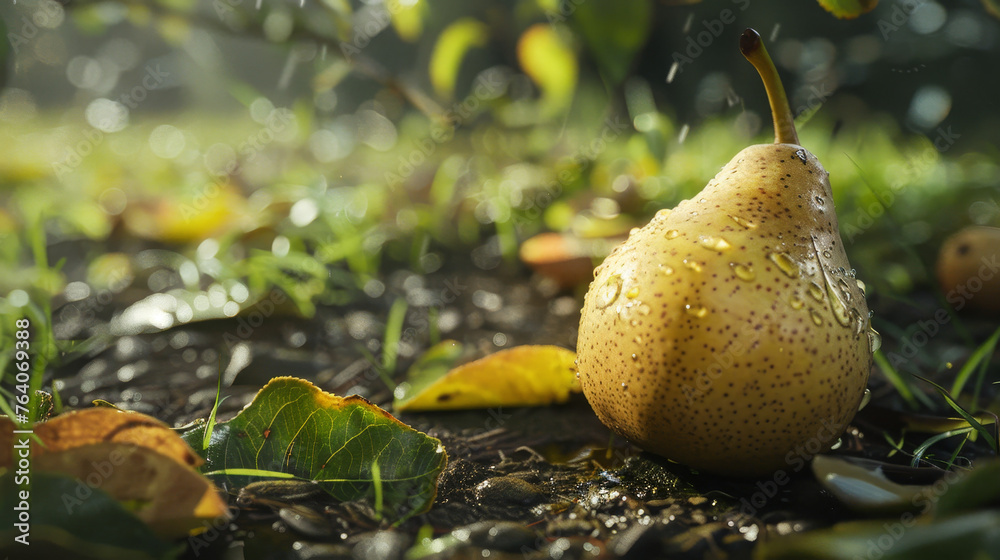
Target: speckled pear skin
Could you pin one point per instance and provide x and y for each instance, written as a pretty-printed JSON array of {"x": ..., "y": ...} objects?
[{"x": 729, "y": 333}]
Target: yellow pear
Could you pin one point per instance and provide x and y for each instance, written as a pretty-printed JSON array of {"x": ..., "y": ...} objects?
[{"x": 730, "y": 333}]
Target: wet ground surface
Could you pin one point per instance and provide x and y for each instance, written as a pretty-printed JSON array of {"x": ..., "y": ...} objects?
[{"x": 546, "y": 482}]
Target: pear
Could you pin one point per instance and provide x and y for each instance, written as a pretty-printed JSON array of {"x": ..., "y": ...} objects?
[{"x": 730, "y": 333}]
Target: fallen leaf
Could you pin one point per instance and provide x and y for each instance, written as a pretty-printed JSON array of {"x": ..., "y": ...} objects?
[
  {"x": 95, "y": 528},
  {"x": 292, "y": 429},
  {"x": 848, "y": 9},
  {"x": 565, "y": 258},
  {"x": 172, "y": 498},
  {"x": 134, "y": 458},
  {"x": 98, "y": 425},
  {"x": 533, "y": 375}
]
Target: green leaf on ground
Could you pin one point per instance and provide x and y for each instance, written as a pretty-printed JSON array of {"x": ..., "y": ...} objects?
[
  {"x": 293, "y": 427},
  {"x": 532, "y": 375},
  {"x": 91, "y": 524}
]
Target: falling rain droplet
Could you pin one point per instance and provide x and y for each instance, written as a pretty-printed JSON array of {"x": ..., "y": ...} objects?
[
  {"x": 608, "y": 293},
  {"x": 785, "y": 264},
  {"x": 717, "y": 244},
  {"x": 816, "y": 317},
  {"x": 697, "y": 311},
  {"x": 796, "y": 302},
  {"x": 743, "y": 272},
  {"x": 744, "y": 222},
  {"x": 666, "y": 270},
  {"x": 816, "y": 291},
  {"x": 874, "y": 340},
  {"x": 693, "y": 265},
  {"x": 671, "y": 234},
  {"x": 632, "y": 293}
]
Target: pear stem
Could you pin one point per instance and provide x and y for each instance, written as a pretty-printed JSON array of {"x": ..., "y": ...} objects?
[{"x": 753, "y": 49}]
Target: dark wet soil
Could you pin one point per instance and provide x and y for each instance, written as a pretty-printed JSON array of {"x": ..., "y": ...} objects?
[{"x": 546, "y": 482}]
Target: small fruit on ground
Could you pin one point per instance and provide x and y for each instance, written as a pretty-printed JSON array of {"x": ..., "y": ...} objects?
[
  {"x": 968, "y": 269},
  {"x": 730, "y": 333}
]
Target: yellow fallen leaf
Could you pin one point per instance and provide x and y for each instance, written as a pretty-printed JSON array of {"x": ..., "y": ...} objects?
[
  {"x": 136, "y": 459},
  {"x": 96, "y": 425},
  {"x": 170, "y": 497},
  {"x": 533, "y": 375}
]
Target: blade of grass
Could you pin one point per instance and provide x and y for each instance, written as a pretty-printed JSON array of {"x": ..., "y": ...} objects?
[
  {"x": 377, "y": 484},
  {"x": 990, "y": 438},
  {"x": 393, "y": 333},
  {"x": 215, "y": 408},
  {"x": 982, "y": 356},
  {"x": 894, "y": 377},
  {"x": 918, "y": 453}
]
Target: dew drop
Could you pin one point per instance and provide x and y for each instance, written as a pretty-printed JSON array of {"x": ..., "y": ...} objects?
[
  {"x": 608, "y": 293},
  {"x": 625, "y": 385},
  {"x": 816, "y": 291},
  {"x": 864, "y": 400},
  {"x": 862, "y": 287},
  {"x": 796, "y": 302},
  {"x": 816, "y": 317},
  {"x": 827, "y": 254},
  {"x": 785, "y": 263},
  {"x": 633, "y": 231},
  {"x": 693, "y": 265},
  {"x": 743, "y": 272},
  {"x": 717, "y": 244},
  {"x": 635, "y": 357},
  {"x": 671, "y": 234},
  {"x": 578, "y": 375},
  {"x": 845, "y": 289},
  {"x": 666, "y": 270},
  {"x": 859, "y": 321},
  {"x": 874, "y": 340},
  {"x": 820, "y": 201},
  {"x": 632, "y": 293},
  {"x": 801, "y": 154},
  {"x": 638, "y": 339},
  {"x": 642, "y": 309},
  {"x": 697, "y": 311},
  {"x": 662, "y": 214},
  {"x": 744, "y": 222}
]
